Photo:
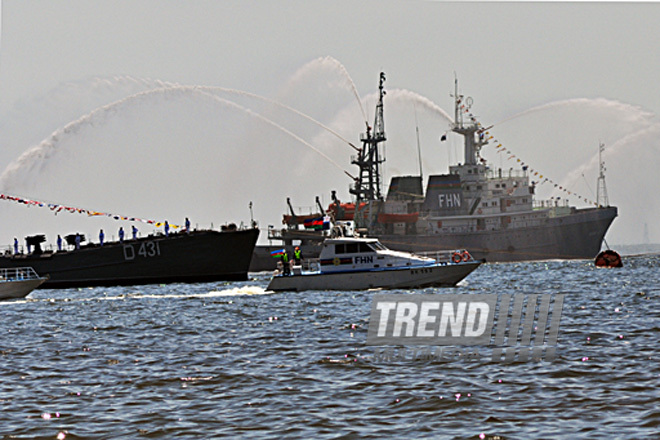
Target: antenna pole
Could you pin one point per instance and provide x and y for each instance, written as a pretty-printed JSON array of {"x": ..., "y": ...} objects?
[
  {"x": 457, "y": 99},
  {"x": 601, "y": 189},
  {"x": 471, "y": 131},
  {"x": 419, "y": 148},
  {"x": 367, "y": 184}
]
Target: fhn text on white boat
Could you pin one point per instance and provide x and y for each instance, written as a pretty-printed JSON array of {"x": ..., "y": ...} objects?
[{"x": 352, "y": 263}]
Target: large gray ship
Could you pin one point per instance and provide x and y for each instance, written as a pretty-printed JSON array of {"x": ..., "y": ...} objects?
[{"x": 491, "y": 212}]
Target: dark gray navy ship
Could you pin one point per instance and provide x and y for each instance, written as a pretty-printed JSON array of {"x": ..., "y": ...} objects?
[
  {"x": 490, "y": 212},
  {"x": 194, "y": 256}
]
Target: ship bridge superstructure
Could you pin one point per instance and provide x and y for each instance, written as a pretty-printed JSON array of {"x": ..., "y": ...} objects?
[
  {"x": 471, "y": 130},
  {"x": 483, "y": 191}
]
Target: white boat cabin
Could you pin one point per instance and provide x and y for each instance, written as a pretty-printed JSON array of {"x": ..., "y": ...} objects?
[{"x": 359, "y": 254}]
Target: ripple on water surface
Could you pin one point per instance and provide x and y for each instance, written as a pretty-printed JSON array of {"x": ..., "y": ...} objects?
[{"x": 233, "y": 360}]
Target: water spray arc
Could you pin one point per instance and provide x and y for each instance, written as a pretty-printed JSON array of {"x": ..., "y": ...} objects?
[
  {"x": 337, "y": 66},
  {"x": 635, "y": 112},
  {"x": 279, "y": 104},
  {"x": 48, "y": 148}
]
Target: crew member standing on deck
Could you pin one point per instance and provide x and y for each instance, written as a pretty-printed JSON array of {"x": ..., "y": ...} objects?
[
  {"x": 101, "y": 237},
  {"x": 167, "y": 229},
  {"x": 187, "y": 225},
  {"x": 15, "y": 245},
  {"x": 285, "y": 263},
  {"x": 59, "y": 243},
  {"x": 297, "y": 256},
  {"x": 78, "y": 240},
  {"x": 121, "y": 234},
  {"x": 135, "y": 231}
]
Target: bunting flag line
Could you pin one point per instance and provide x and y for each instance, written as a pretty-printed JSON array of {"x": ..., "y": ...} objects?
[
  {"x": 56, "y": 208},
  {"x": 485, "y": 134}
]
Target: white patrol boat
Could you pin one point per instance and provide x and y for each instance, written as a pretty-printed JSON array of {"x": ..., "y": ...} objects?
[
  {"x": 364, "y": 263},
  {"x": 18, "y": 282}
]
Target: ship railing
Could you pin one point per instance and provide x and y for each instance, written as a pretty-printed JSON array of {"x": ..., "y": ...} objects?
[
  {"x": 310, "y": 264},
  {"x": 550, "y": 203},
  {"x": 23, "y": 250},
  {"x": 18, "y": 274},
  {"x": 448, "y": 256},
  {"x": 504, "y": 173},
  {"x": 306, "y": 265},
  {"x": 274, "y": 234},
  {"x": 278, "y": 234}
]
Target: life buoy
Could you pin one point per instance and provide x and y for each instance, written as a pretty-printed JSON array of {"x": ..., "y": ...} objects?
[
  {"x": 466, "y": 256},
  {"x": 608, "y": 258},
  {"x": 456, "y": 258}
]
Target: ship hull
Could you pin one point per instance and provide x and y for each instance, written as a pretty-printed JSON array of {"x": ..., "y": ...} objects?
[
  {"x": 439, "y": 275},
  {"x": 197, "y": 256},
  {"x": 575, "y": 236},
  {"x": 19, "y": 289}
]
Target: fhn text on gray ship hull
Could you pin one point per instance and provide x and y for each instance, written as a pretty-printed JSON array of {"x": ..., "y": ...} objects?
[{"x": 198, "y": 256}]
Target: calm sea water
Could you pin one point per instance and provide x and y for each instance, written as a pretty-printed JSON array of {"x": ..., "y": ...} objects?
[{"x": 222, "y": 360}]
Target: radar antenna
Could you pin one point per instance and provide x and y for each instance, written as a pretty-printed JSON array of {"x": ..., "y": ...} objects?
[{"x": 470, "y": 130}]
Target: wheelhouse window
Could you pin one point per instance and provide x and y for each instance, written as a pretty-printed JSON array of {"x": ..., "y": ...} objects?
[
  {"x": 351, "y": 248},
  {"x": 354, "y": 248},
  {"x": 364, "y": 247}
]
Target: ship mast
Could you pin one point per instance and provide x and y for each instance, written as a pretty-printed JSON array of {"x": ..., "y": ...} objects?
[
  {"x": 419, "y": 148},
  {"x": 601, "y": 189},
  {"x": 471, "y": 131},
  {"x": 367, "y": 184}
]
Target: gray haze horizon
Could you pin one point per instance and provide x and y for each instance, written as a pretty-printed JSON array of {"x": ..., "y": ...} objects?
[{"x": 166, "y": 109}]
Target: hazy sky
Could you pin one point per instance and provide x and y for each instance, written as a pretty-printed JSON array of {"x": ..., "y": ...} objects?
[{"x": 66, "y": 66}]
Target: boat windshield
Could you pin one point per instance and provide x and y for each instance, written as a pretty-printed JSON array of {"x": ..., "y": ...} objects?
[{"x": 377, "y": 246}]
